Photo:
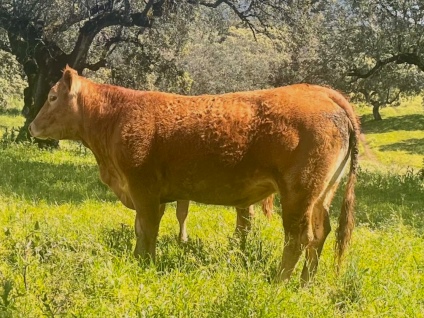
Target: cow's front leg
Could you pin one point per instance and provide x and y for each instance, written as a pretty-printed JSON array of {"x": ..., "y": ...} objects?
[{"x": 147, "y": 222}]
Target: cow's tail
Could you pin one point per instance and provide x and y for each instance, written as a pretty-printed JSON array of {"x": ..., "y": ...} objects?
[
  {"x": 347, "y": 217},
  {"x": 268, "y": 206}
]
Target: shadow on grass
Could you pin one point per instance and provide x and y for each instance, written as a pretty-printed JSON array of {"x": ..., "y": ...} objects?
[
  {"x": 119, "y": 241},
  {"x": 406, "y": 122},
  {"x": 413, "y": 146},
  {"x": 54, "y": 183}
]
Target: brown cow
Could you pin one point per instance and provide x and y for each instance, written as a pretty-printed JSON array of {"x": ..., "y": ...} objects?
[
  {"x": 231, "y": 149},
  {"x": 243, "y": 217}
]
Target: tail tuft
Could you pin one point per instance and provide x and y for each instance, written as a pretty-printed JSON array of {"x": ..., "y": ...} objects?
[{"x": 268, "y": 206}]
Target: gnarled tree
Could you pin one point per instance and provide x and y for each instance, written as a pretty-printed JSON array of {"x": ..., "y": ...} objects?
[{"x": 382, "y": 44}]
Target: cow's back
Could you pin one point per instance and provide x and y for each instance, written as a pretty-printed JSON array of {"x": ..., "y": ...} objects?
[{"x": 232, "y": 123}]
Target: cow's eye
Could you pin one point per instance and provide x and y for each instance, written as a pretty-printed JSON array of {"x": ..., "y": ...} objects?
[{"x": 52, "y": 98}]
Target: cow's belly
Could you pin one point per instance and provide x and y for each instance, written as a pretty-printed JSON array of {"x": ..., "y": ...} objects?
[
  {"x": 213, "y": 189},
  {"x": 233, "y": 197}
]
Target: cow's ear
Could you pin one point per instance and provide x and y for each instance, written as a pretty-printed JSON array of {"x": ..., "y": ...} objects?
[
  {"x": 67, "y": 79},
  {"x": 70, "y": 78}
]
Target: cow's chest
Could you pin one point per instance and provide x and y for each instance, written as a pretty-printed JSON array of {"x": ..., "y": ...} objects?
[{"x": 117, "y": 183}]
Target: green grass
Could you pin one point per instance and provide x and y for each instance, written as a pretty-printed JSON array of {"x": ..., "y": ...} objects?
[
  {"x": 11, "y": 118},
  {"x": 396, "y": 141},
  {"x": 66, "y": 245},
  {"x": 10, "y": 122}
]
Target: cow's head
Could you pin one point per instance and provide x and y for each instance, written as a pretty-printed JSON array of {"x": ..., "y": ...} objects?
[{"x": 60, "y": 116}]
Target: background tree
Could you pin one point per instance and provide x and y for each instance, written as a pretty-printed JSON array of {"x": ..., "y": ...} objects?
[
  {"x": 381, "y": 49},
  {"x": 388, "y": 86},
  {"x": 230, "y": 62},
  {"x": 386, "y": 31}
]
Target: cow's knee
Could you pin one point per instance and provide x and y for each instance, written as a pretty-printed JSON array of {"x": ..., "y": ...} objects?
[{"x": 146, "y": 227}]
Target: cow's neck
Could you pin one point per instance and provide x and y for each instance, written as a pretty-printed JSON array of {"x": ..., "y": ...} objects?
[{"x": 100, "y": 114}]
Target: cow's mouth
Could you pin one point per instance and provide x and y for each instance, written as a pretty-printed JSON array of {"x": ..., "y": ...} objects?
[
  {"x": 30, "y": 130},
  {"x": 33, "y": 132}
]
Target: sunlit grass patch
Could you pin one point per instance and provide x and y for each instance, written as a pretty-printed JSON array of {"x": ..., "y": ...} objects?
[
  {"x": 9, "y": 126},
  {"x": 11, "y": 118},
  {"x": 401, "y": 148},
  {"x": 398, "y": 139}
]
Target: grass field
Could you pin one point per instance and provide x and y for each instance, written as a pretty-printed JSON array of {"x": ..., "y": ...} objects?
[
  {"x": 397, "y": 141},
  {"x": 66, "y": 243}
]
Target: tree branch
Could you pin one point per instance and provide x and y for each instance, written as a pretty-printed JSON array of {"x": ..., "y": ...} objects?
[
  {"x": 92, "y": 11},
  {"x": 394, "y": 99},
  {"x": 245, "y": 15},
  {"x": 410, "y": 58},
  {"x": 26, "y": 40},
  {"x": 92, "y": 27},
  {"x": 5, "y": 47},
  {"x": 110, "y": 46},
  {"x": 95, "y": 66},
  {"x": 401, "y": 58},
  {"x": 119, "y": 39},
  {"x": 378, "y": 65},
  {"x": 205, "y": 3},
  {"x": 65, "y": 24}
]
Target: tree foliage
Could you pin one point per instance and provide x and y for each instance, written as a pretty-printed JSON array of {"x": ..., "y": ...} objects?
[
  {"x": 11, "y": 82},
  {"x": 381, "y": 45}
]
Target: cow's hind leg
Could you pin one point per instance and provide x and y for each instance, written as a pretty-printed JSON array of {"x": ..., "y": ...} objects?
[
  {"x": 321, "y": 228},
  {"x": 297, "y": 232},
  {"x": 146, "y": 227},
  {"x": 244, "y": 223},
  {"x": 182, "y": 212},
  {"x": 301, "y": 188}
]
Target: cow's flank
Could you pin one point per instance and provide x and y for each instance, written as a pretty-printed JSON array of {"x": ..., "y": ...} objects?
[{"x": 233, "y": 149}]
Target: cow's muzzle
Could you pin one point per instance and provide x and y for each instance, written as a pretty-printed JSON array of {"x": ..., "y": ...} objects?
[{"x": 30, "y": 129}]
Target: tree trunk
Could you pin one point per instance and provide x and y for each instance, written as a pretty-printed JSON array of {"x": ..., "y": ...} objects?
[
  {"x": 376, "y": 112},
  {"x": 43, "y": 59}
]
